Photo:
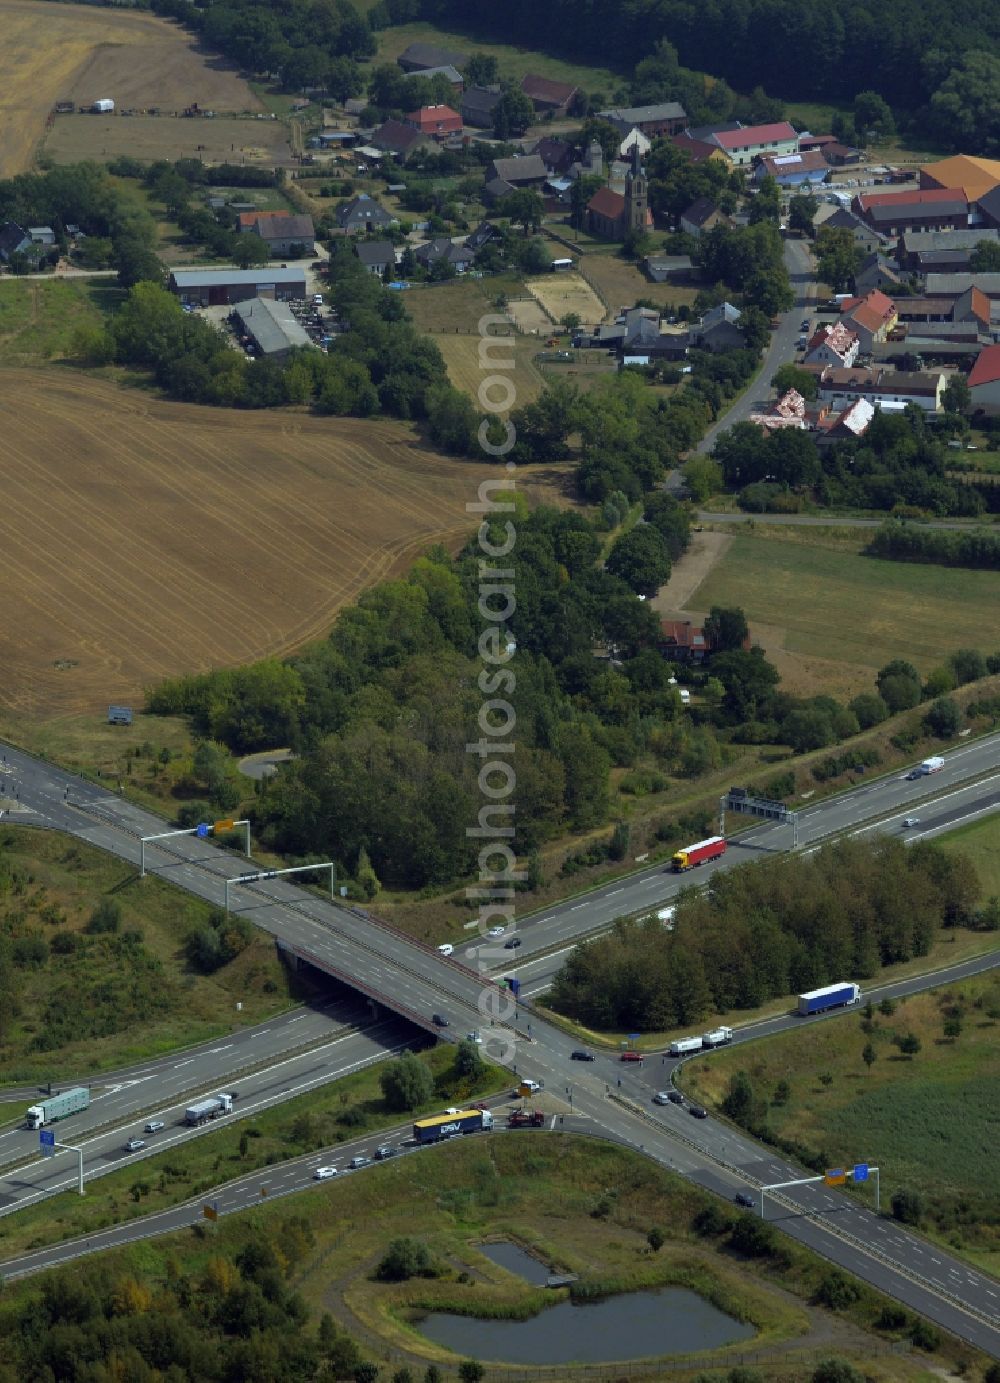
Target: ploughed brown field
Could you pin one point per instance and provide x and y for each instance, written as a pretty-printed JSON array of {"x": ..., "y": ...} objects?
[
  {"x": 141, "y": 539},
  {"x": 79, "y": 53}
]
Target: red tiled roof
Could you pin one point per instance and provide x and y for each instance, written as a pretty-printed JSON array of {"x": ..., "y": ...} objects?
[
  {"x": 433, "y": 117},
  {"x": 698, "y": 149},
  {"x": 542, "y": 89},
  {"x": 931, "y": 194},
  {"x": 682, "y": 633},
  {"x": 607, "y": 203},
  {"x": 987, "y": 367},
  {"x": 756, "y": 134},
  {"x": 979, "y": 304},
  {"x": 248, "y": 219}
]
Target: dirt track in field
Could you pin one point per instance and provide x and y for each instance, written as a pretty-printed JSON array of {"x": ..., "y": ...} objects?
[{"x": 140, "y": 539}]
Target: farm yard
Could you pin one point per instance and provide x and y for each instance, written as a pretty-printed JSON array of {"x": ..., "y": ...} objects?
[
  {"x": 74, "y": 138},
  {"x": 84, "y": 53},
  {"x": 144, "y": 538},
  {"x": 560, "y": 294}
]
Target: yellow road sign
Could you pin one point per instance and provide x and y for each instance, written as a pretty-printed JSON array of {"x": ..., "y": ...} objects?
[
  {"x": 223, "y": 825},
  {"x": 835, "y": 1177}
]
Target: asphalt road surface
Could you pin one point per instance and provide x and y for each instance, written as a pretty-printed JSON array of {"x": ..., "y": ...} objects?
[
  {"x": 781, "y": 347},
  {"x": 378, "y": 961}
]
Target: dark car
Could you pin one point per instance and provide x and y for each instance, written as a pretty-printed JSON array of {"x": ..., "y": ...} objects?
[
  {"x": 744, "y": 1198},
  {"x": 386, "y": 1150},
  {"x": 697, "y": 1111},
  {"x": 512, "y": 944},
  {"x": 439, "y": 1020},
  {"x": 675, "y": 1097},
  {"x": 581, "y": 1055}
]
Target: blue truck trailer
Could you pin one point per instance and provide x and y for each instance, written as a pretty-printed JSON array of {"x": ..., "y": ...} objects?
[
  {"x": 832, "y": 996},
  {"x": 450, "y": 1123}
]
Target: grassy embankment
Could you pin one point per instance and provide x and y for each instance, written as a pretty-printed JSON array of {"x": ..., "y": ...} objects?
[
  {"x": 926, "y": 1120},
  {"x": 346, "y": 1109},
  {"x": 108, "y": 1000}
]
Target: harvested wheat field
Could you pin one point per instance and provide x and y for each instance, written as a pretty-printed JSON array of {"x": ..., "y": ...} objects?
[
  {"x": 566, "y": 292},
  {"x": 79, "y": 53},
  {"x": 259, "y": 143},
  {"x": 142, "y": 538}
]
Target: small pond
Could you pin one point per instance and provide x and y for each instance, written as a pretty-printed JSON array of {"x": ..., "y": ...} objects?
[
  {"x": 633, "y": 1325},
  {"x": 515, "y": 1260}
]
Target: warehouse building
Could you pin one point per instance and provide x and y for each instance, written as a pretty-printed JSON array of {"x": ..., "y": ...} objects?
[
  {"x": 272, "y": 327},
  {"x": 224, "y": 283}
]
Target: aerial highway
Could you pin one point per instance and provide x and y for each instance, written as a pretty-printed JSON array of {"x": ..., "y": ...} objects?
[{"x": 417, "y": 981}]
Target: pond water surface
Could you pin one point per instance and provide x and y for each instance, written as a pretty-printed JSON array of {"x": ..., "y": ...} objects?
[{"x": 632, "y": 1325}]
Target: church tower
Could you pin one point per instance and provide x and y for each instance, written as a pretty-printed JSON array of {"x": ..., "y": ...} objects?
[{"x": 636, "y": 195}]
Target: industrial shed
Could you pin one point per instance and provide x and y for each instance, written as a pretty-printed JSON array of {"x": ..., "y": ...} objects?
[{"x": 227, "y": 284}]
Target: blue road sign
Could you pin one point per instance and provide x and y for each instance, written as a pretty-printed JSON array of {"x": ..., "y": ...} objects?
[
  {"x": 202, "y": 830},
  {"x": 515, "y": 985},
  {"x": 47, "y": 1141},
  {"x": 634, "y": 1036},
  {"x": 860, "y": 1172}
]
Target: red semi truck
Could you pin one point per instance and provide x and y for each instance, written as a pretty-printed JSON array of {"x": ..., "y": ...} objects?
[{"x": 693, "y": 855}]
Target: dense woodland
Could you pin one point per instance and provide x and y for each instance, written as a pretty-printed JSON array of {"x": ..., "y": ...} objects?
[
  {"x": 233, "y": 1319},
  {"x": 769, "y": 929}
]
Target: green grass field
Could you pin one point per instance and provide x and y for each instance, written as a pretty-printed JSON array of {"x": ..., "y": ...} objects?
[
  {"x": 158, "y": 1003},
  {"x": 39, "y": 317},
  {"x": 822, "y": 603},
  {"x": 514, "y": 62},
  {"x": 980, "y": 840},
  {"x": 927, "y": 1120}
]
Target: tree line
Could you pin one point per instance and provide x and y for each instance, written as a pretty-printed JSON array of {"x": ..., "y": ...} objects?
[
  {"x": 770, "y": 929},
  {"x": 381, "y": 712},
  {"x": 903, "y": 542}
]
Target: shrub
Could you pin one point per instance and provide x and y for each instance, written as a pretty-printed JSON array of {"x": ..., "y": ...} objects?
[
  {"x": 924, "y": 1336},
  {"x": 406, "y": 1083},
  {"x": 106, "y": 917},
  {"x": 836, "y": 1371},
  {"x": 837, "y": 1291},
  {"x": 907, "y": 1206},
  {"x": 405, "y": 1258}
]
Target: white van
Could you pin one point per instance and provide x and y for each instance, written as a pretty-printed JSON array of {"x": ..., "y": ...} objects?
[{"x": 446, "y": 950}]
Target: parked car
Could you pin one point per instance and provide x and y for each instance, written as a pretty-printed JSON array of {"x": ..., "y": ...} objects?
[
  {"x": 474, "y": 1037},
  {"x": 581, "y": 1055},
  {"x": 324, "y": 1173},
  {"x": 154, "y": 1126},
  {"x": 134, "y": 1144}
]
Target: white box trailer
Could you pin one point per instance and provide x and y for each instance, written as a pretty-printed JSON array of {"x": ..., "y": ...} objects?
[
  {"x": 104, "y": 106},
  {"x": 718, "y": 1037},
  {"x": 685, "y": 1045}
]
